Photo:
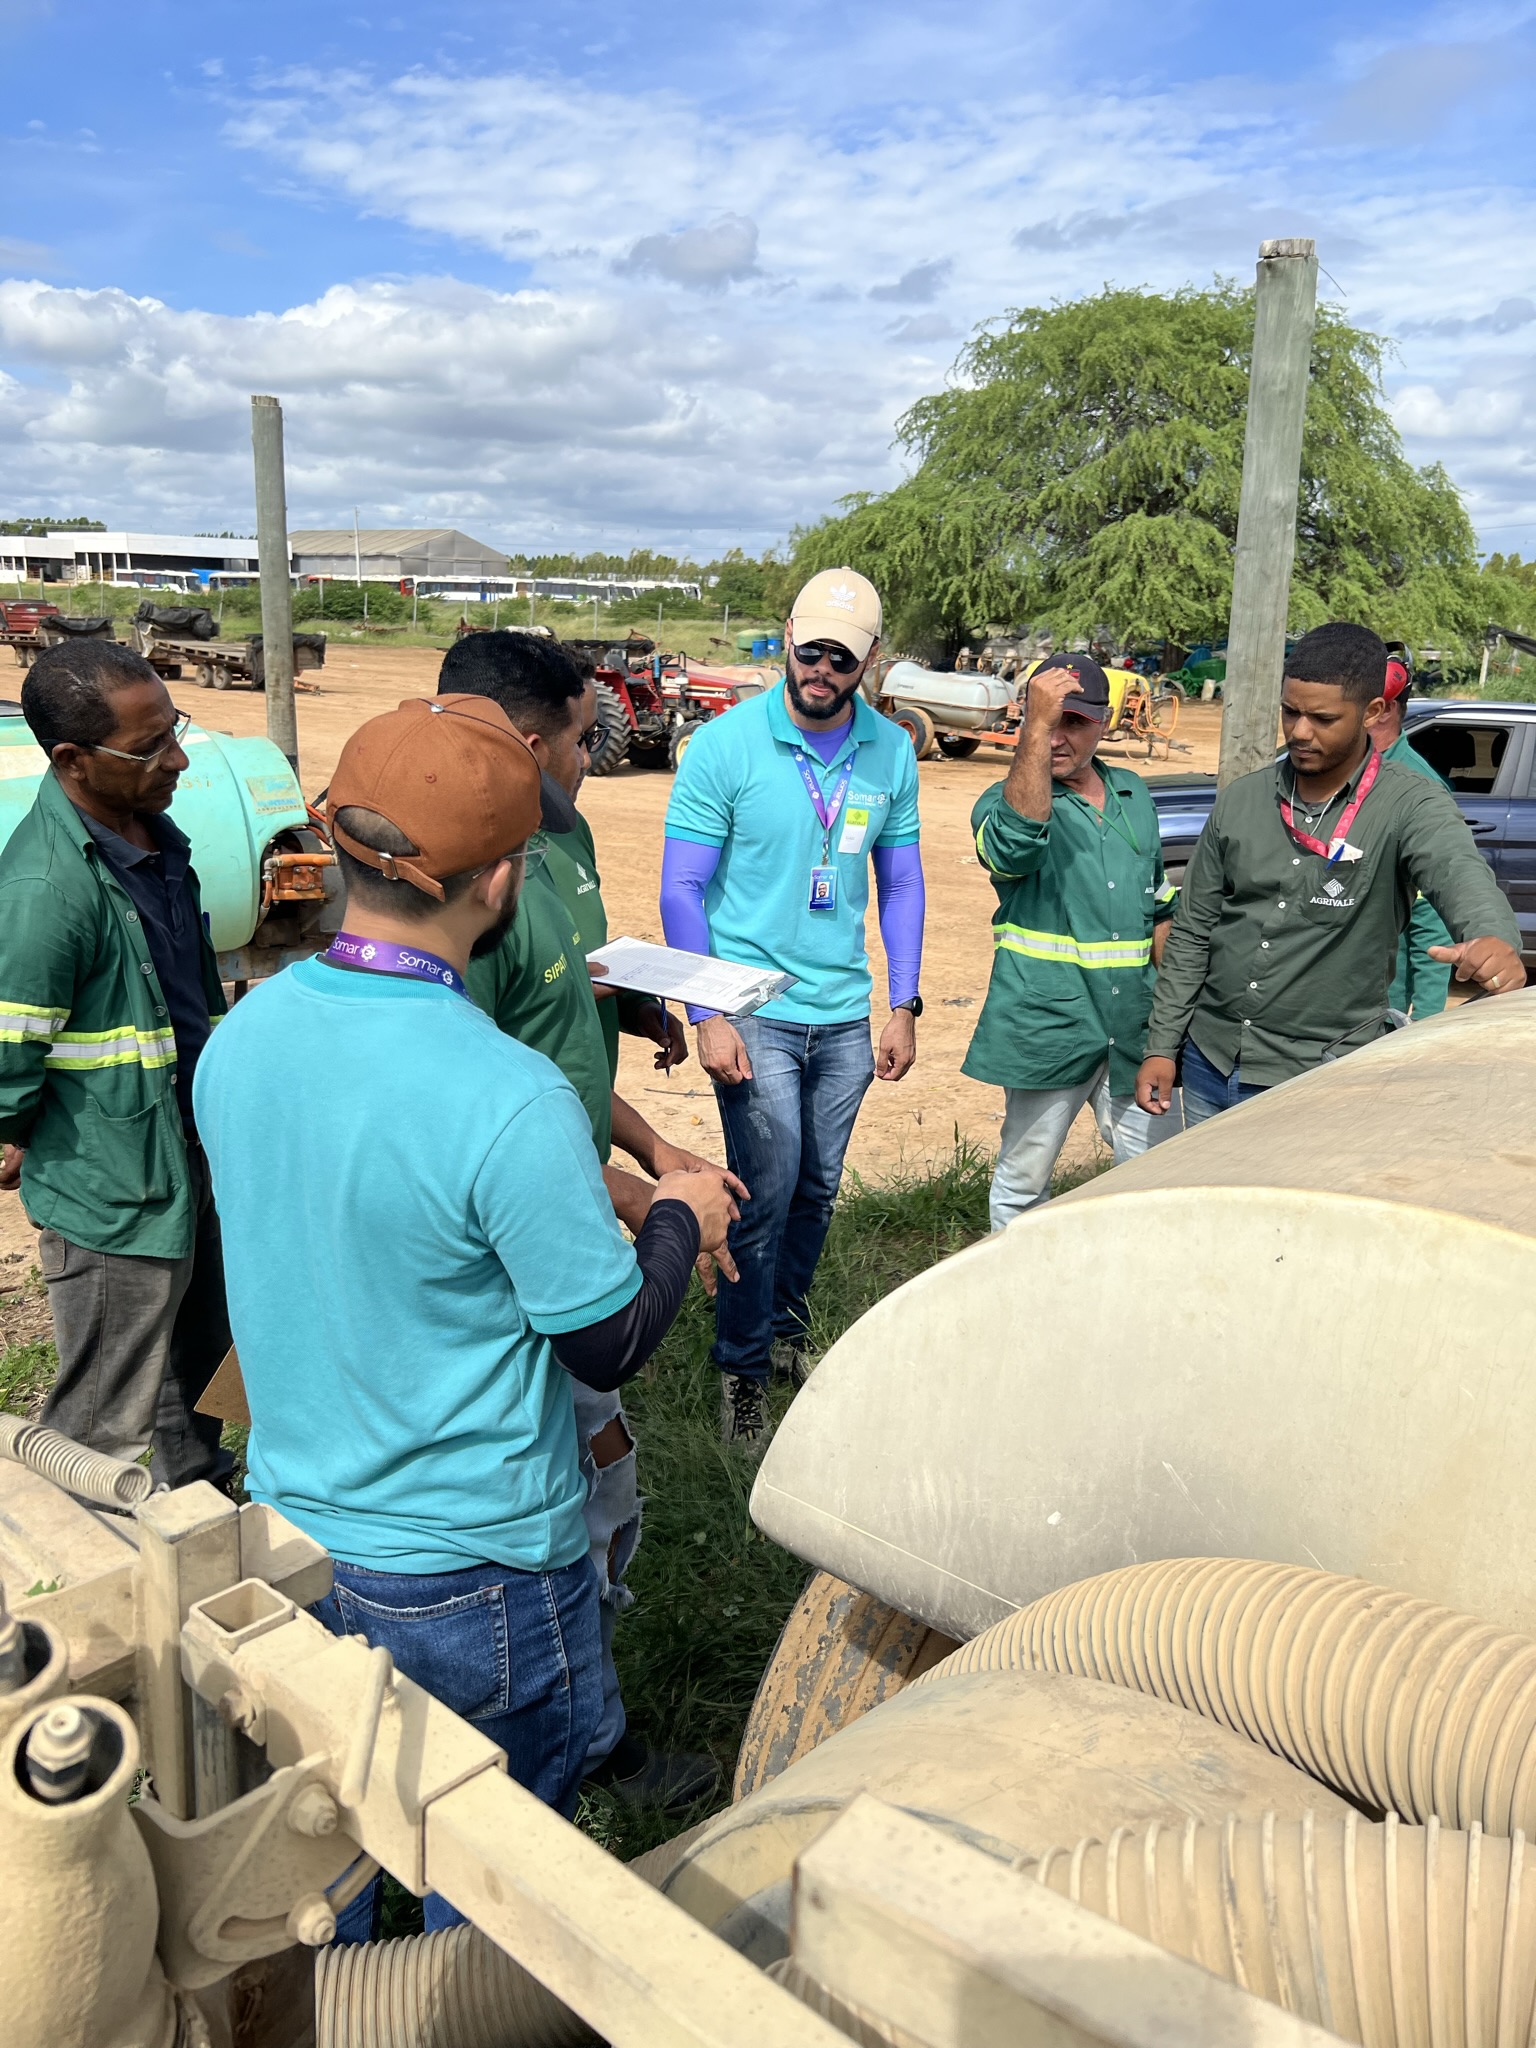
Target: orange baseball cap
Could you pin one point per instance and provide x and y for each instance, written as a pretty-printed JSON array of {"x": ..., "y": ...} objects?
[{"x": 453, "y": 774}]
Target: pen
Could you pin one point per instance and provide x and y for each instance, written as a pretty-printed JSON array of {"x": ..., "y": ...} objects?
[{"x": 666, "y": 1034}]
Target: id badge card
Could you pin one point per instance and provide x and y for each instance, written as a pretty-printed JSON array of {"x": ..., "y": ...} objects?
[{"x": 823, "y": 889}]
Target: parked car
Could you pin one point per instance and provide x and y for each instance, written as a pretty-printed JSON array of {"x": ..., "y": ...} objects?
[{"x": 1486, "y": 752}]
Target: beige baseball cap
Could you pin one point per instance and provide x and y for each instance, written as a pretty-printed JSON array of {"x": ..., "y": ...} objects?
[{"x": 839, "y": 605}]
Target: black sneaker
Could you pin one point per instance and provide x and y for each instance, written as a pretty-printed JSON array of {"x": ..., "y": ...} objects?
[
  {"x": 788, "y": 1362},
  {"x": 638, "y": 1775},
  {"x": 744, "y": 1413}
]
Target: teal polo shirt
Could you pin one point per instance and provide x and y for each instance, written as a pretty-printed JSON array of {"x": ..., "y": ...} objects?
[
  {"x": 739, "y": 789},
  {"x": 411, "y": 1208}
]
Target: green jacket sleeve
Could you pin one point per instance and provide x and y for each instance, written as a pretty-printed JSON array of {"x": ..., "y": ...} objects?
[
  {"x": 1008, "y": 844},
  {"x": 1444, "y": 864},
  {"x": 1187, "y": 953},
  {"x": 38, "y": 968},
  {"x": 1426, "y": 982}
]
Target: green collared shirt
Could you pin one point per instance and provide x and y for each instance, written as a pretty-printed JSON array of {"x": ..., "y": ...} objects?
[
  {"x": 1077, "y": 896},
  {"x": 1278, "y": 958}
]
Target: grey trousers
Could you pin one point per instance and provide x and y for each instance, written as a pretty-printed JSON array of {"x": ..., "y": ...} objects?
[{"x": 138, "y": 1341}]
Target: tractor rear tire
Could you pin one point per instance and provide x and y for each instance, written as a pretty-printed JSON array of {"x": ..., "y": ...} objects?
[
  {"x": 918, "y": 727},
  {"x": 613, "y": 748},
  {"x": 841, "y": 1652},
  {"x": 956, "y": 746},
  {"x": 682, "y": 739}
]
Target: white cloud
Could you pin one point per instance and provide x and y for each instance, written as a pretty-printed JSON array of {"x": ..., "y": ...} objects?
[
  {"x": 696, "y": 352},
  {"x": 705, "y": 258}
]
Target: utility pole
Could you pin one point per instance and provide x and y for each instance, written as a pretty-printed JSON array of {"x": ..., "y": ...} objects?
[
  {"x": 276, "y": 588},
  {"x": 1285, "y": 310},
  {"x": 357, "y": 550}
]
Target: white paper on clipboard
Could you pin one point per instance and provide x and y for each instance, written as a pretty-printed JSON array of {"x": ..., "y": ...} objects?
[{"x": 686, "y": 977}]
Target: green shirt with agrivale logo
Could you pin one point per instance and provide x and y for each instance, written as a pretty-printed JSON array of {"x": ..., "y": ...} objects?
[
  {"x": 1279, "y": 958},
  {"x": 1077, "y": 897},
  {"x": 535, "y": 985}
]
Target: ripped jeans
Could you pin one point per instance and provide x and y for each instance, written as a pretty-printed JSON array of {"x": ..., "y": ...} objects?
[{"x": 613, "y": 1528}]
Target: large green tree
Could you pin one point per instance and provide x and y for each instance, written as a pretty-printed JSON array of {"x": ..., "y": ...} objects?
[{"x": 1083, "y": 468}]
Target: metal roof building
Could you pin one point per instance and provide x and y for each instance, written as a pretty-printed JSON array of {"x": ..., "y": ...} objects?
[
  {"x": 394, "y": 554},
  {"x": 81, "y": 555}
]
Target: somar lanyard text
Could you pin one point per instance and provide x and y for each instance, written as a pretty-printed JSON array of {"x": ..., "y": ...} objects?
[{"x": 824, "y": 877}]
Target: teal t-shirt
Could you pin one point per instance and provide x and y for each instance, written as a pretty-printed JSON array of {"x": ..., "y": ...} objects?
[
  {"x": 739, "y": 788},
  {"x": 411, "y": 1206}
]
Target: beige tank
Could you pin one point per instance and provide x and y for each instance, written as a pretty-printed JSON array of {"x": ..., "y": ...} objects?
[{"x": 1303, "y": 1332}]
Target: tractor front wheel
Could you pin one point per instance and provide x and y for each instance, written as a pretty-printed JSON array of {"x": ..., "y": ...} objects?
[
  {"x": 682, "y": 739},
  {"x": 613, "y": 747}
]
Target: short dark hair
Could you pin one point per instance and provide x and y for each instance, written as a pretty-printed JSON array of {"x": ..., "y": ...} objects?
[
  {"x": 533, "y": 680},
  {"x": 367, "y": 886},
  {"x": 66, "y": 698},
  {"x": 1353, "y": 658}
]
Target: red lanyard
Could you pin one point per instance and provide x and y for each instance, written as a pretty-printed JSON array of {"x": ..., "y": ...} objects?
[{"x": 1351, "y": 810}]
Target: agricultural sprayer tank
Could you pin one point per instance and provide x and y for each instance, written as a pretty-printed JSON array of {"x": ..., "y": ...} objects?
[
  {"x": 1177, "y": 1682},
  {"x": 240, "y": 804}
]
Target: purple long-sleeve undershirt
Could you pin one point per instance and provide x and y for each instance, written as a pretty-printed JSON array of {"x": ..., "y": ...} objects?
[{"x": 687, "y": 869}]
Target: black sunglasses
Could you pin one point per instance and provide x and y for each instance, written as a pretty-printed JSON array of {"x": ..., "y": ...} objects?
[
  {"x": 843, "y": 663},
  {"x": 592, "y": 738}
]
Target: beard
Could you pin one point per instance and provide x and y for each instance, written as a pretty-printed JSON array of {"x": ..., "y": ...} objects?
[
  {"x": 492, "y": 937},
  {"x": 833, "y": 714}
]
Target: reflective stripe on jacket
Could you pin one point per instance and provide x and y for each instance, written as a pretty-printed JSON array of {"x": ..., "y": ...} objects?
[
  {"x": 87, "y": 1053},
  {"x": 1072, "y": 935}
]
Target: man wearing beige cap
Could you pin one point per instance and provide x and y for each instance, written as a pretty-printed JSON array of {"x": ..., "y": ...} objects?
[
  {"x": 776, "y": 813},
  {"x": 419, "y": 1251}
]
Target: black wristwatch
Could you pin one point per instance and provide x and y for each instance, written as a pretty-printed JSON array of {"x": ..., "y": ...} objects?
[{"x": 913, "y": 1003}]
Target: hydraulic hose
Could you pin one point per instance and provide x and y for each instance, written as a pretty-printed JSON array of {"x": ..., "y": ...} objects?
[
  {"x": 453, "y": 1989},
  {"x": 109, "y": 1482},
  {"x": 1394, "y": 1936},
  {"x": 1403, "y": 1707}
]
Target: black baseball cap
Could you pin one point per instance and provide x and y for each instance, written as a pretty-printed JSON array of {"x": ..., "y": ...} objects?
[{"x": 1091, "y": 698}]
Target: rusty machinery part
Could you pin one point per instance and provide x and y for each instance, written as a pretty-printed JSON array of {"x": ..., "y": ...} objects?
[
  {"x": 1401, "y": 1706},
  {"x": 293, "y": 877},
  {"x": 918, "y": 727},
  {"x": 613, "y": 748},
  {"x": 840, "y": 1653},
  {"x": 1382, "y": 1933},
  {"x": 78, "y": 1963},
  {"x": 997, "y": 1759},
  {"x": 453, "y": 1989},
  {"x": 109, "y": 1482}
]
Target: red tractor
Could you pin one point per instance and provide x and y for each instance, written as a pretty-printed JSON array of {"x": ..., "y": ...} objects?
[{"x": 650, "y": 704}]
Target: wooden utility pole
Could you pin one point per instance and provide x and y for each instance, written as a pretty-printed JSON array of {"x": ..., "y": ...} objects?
[
  {"x": 1284, "y": 313},
  {"x": 276, "y": 585}
]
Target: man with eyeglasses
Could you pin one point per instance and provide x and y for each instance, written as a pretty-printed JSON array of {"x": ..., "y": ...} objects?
[
  {"x": 777, "y": 811},
  {"x": 109, "y": 988}
]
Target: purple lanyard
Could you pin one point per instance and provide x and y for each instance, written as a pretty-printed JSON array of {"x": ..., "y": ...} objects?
[
  {"x": 826, "y": 808},
  {"x": 378, "y": 956}
]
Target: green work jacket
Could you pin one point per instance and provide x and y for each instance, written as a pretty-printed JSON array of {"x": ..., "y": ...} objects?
[
  {"x": 87, "y": 1055},
  {"x": 536, "y": 987},
  {"x": 572, "y": 864},
  {"x": 1072, "y": 973},
  {"x": 1278, "y": 959},
  {"x": 1419, "y": 985}
]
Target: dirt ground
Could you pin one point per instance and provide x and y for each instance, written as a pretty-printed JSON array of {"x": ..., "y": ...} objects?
[{"x": 904, "y": 1125}]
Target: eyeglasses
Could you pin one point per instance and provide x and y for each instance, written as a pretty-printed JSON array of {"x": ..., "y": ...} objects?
[
  {"x": 534, "y": 852},
  {"x": 173, "y": 738},
  {"x": 843, "y": 663},
  {"x": 590, "y": 740}
]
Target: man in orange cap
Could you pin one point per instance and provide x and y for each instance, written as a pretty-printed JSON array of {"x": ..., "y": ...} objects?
[{"x": 421, "y": 1253}]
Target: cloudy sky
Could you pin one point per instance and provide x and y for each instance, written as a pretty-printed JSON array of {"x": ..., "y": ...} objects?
[{"x": 608, "y": 275}]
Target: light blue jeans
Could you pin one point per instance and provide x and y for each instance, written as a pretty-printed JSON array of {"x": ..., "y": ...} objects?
[
  {"x": 518, "y": 1654},
  {"x": 786, "y": 1131},
  {"x": 1035, "y": 1126}
]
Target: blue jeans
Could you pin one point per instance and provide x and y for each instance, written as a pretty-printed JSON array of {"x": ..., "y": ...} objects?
[
  {"x": 786, "y": 1131},
  {"x": 1207, "y": 1090},
  {"x": 518, "y": 1654}
]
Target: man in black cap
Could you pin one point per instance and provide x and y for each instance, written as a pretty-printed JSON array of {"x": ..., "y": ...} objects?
[{"x": 1083, "y": 906}]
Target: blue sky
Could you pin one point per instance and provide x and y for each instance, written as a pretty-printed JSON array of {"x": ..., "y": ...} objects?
[{"x": 598, "y": 275}]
